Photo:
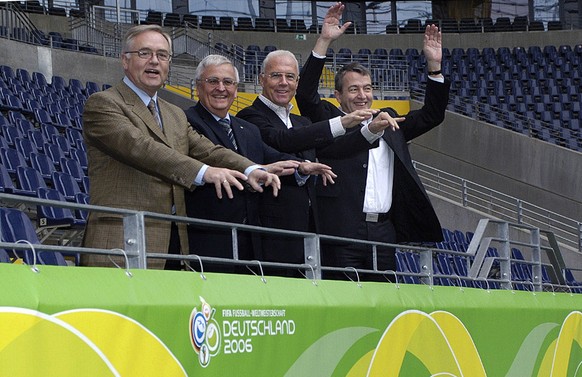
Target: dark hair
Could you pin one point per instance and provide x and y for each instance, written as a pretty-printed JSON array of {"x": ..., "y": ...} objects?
[{"x": 352, "y": 67}]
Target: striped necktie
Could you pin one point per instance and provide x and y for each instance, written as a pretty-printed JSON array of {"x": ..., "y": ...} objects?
[
  {"x": 225, "y": 123},
  {"x": 152, "y": 107}
]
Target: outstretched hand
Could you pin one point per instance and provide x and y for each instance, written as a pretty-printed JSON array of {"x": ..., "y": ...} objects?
[
  {"x": 223, "y": 178},
  {"x": 382, "y": 121},
  {"x": 259, "y": 178},
  {"x": 281, "y": 168},
  {"x": 356, "y": 117},
  {"x": 317, "y": 168}
]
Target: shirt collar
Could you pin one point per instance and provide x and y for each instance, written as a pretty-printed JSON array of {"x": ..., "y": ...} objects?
[
  {"x": 281, "y": 111},
  {"x": 216, "y": 117},
  {"x": 140, "y": 93}
]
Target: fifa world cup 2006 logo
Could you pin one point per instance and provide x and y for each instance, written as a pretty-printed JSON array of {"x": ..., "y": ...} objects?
[{"x": 204, "y": 333}]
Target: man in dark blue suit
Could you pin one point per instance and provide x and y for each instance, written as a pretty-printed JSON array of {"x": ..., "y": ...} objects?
[
  {"x": 378, "y": 195},
  {"x": 216, "y": 85}
]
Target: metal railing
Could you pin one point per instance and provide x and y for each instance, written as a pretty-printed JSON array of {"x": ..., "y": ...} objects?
[
  {"x": 499, "y": 205},
  {"x": 427, "y": 271}
]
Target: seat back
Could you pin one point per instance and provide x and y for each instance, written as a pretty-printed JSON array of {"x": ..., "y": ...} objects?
[
  {"x": 66, "y": 185},
  {"x": 50, "y": 216},
  {"x": 30, "y": 179}
]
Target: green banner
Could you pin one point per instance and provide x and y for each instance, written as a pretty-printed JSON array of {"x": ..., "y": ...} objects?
[{"x": 101, "y": 322}]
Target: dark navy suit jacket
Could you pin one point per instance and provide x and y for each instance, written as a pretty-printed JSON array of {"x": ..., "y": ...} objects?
[{"x": 244, "y": 207}]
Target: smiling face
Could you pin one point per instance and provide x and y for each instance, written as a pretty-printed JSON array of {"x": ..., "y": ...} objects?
[
  {"x": 280, "y": 88},
  {"x": 357, "y": 92},
  {"x": 217, "y": 98},
  {"x": 147, "y": 74}
]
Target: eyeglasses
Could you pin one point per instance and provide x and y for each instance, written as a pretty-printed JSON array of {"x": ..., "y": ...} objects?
[
  {"x": 215, "y": 81},
  {"x": 277, "y": 76},
  {"x": 147, "y": 54}
]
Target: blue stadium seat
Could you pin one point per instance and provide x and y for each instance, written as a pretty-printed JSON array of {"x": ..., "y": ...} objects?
[
  {"x": 48, "y": 216},
  {"x": 66, "y": 185},
  {"x": 29, "y": 180},
  {"x": 43, "y": 164},
  {"x": 55, "y": 153},
  {"x": 72, "y": 167},
  {"x": 25, "y": 147},
  {"x": 17, "y": 226},
  {"x": 81, "y": 156},
  {"x": 12, "y": 159},
  {"x": 7, "y": 184}
]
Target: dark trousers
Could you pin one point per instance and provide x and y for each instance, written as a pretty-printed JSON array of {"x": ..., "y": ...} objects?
[
  {"x": 360, "y": 256},
  {"x": 174, "y": 248}
]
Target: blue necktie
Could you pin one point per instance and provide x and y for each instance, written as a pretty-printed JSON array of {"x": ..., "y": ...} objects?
[{"x": 225, "y": 123}]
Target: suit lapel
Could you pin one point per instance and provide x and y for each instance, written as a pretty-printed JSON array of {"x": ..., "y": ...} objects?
[
  {"x": 213, "y": 127},
  {"x": 141, "y": 111}
]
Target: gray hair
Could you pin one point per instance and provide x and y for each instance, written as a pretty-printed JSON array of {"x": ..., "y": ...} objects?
[
  {"x": 278, "y": 53},
  {"x": 137, "y": 30},
  {"x": 213, "y": 60}
]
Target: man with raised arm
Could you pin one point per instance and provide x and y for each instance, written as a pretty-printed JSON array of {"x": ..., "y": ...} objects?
[{"x": 378, "y": 195}]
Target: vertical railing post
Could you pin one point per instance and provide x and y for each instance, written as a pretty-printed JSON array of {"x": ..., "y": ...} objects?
[
  {"x": 426, "y": 267},
  {"x": 519, "y": 211},
  {"x": 464, "y": 194},
  {"x": 537, "y": 258},
  {"x": 505, "y": 256},
  {"x": 134, "y": 240},
  {"x": 312, "y": 250}
]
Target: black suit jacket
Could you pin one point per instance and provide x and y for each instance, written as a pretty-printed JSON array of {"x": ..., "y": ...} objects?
[
  {"x": 244, "y": 207},
  {"x": 340, "y": 205},
  {"x": 291, "y": 209}
]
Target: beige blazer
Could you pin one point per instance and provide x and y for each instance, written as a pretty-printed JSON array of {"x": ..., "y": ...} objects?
[{"x": 133, "y": 164}]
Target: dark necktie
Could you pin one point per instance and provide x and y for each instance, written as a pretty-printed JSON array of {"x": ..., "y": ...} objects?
[
  {"x": 225, "y": 123},
  {"x": 152, "y": 107}
]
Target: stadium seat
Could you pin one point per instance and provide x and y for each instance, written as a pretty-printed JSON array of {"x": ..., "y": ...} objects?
[
  {"x": 244, "y": 24},
  {"x": 66, "y": 185},
  {"x": 264, "y": 24},
  {"x": 7, "y": 184},
  {"x": 49, "y": 216},
  {"x": 225, "y": 23},
  {"x": 55, "y": 153},
  {"x": 208, "y": 22},
  {"x": 73, "y": 167},
  {"x": 12, "y": 159},
  {"x": 189, "y": 20},
  {"x": 81, "y": 157},
  {"x": 25, "y": 147},
  {"x": 172, "y": 20},
  {"x": 17, "y": 226},
  {"x": 29, "y": 180},
  {"x": 43, "y": 164},
  {"x": 153, "y": 18}
]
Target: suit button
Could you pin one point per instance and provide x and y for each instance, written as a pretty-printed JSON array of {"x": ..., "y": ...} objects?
[{"x": 365, "y": 166}]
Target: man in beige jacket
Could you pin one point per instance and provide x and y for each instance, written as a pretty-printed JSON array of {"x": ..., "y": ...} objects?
[{"x": 142, "y": 153}]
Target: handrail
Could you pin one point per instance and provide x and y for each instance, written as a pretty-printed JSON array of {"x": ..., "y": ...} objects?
[
  {"x": 137, "y": 255},
  {"x": 472, "y": 195}
]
